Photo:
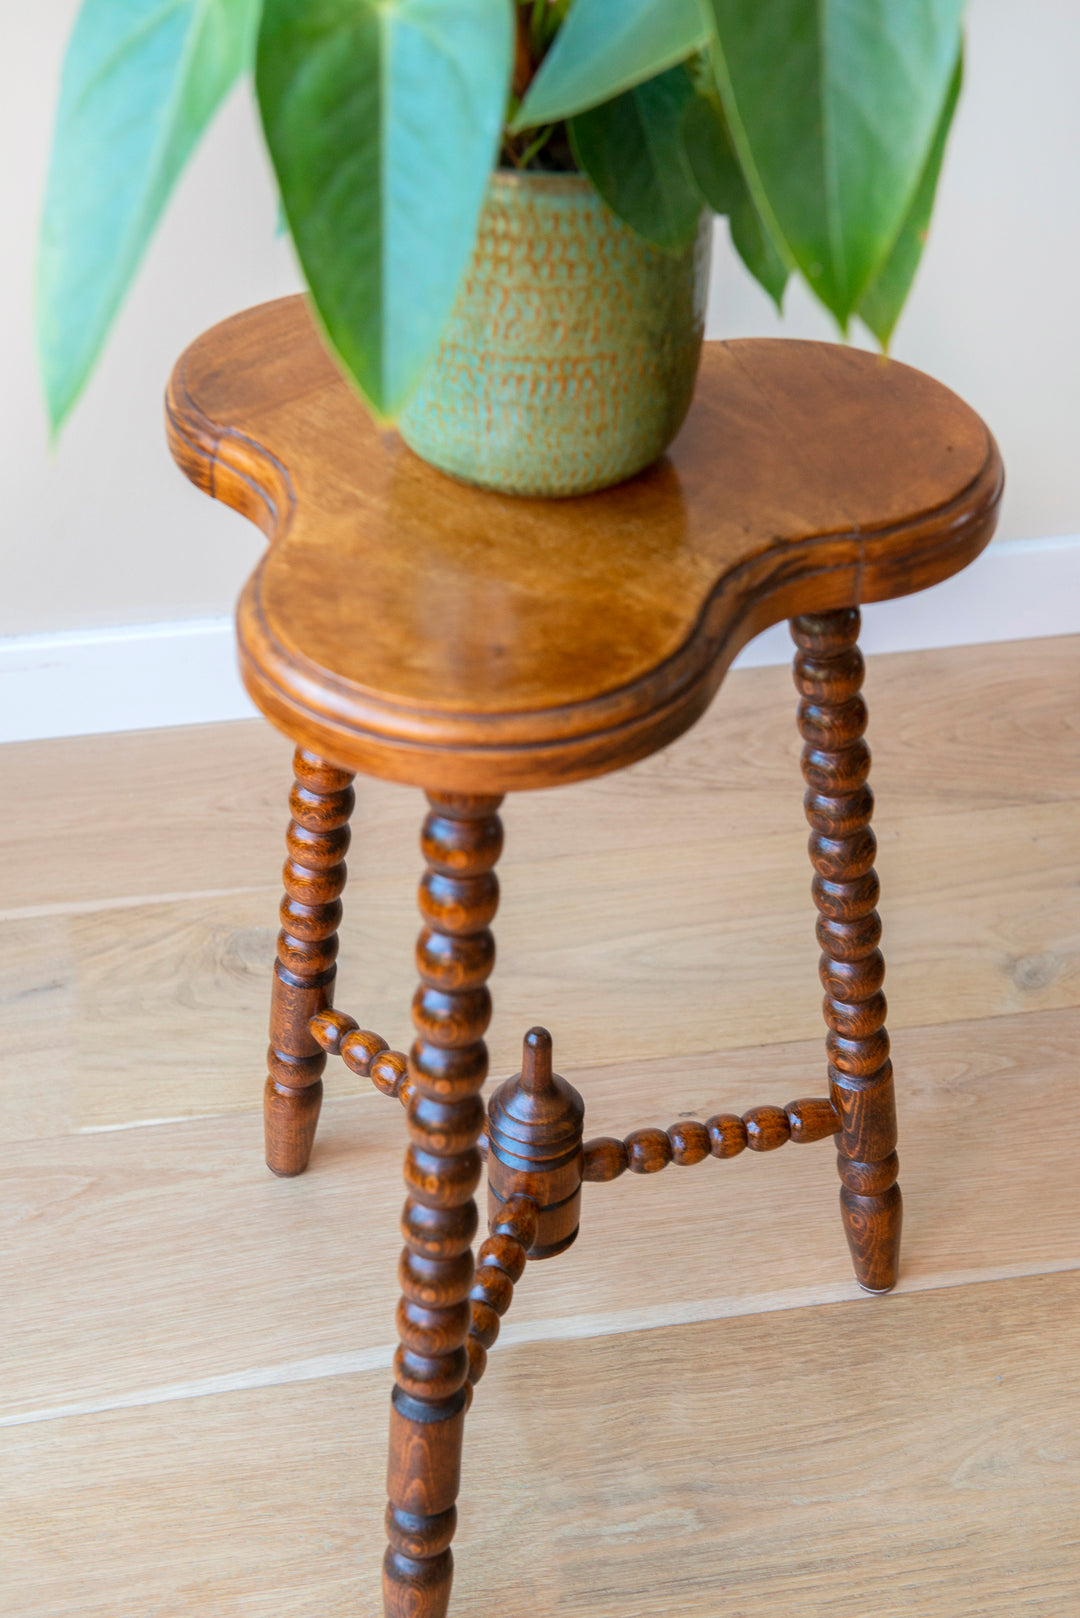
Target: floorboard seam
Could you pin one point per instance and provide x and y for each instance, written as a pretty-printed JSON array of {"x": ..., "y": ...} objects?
[
  {"x": 128, "y": 901},
  {"x": 567, "y": 1328}
]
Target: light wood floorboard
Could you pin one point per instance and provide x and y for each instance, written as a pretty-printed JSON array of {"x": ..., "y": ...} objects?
[
  {"x": 193, "y": 1400},
  {"x": 912, "y": 1458},
  {"x": 202, "y": 808},
  {"x": 181, "y": 1258},
  {"x": 159, "y": 1011}
]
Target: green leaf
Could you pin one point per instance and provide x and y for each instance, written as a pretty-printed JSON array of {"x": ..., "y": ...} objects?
[
  {"x": 383, "y": 122},
  {"x": 884, "y": 298},
  {"x": 141, "y": 81},
  {"x": 832, "y": 107},
  {"x": 720, "y": 180},
  {"x": 631, "y": 149},
  {"x": 607, "y": 46}
]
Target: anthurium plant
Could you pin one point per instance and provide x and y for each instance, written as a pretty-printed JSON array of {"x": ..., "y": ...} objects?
[{"x": 817, "y": 127}]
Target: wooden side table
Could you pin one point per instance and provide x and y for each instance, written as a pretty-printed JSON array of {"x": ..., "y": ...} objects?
[{"x": 406, "y": 626}]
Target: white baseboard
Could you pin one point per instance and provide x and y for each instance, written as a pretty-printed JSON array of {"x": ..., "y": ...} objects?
[
  {"x": 84, "y": 682},
  {"x": 1019, "y": 589}
]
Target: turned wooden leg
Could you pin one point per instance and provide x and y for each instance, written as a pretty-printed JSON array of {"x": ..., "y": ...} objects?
[
  {"x": 839, "y": 803},
  {"x": 321, "y": 802},
  {"x": 459, "y": 893}
]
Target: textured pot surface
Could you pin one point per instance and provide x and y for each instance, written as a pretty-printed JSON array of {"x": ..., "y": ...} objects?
[{"x": 569, "y": 360}]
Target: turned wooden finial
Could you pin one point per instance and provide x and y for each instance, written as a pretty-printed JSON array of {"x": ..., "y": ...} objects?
[
  {"x": 535, "y": 1125},
  {"x": 536, "y": 1061}
]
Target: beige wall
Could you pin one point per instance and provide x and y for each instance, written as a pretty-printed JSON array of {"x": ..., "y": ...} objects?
[{"x": 105, "y": 531}]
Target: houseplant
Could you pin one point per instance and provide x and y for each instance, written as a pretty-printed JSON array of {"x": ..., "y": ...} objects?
[{"x": 816, "y": 126}]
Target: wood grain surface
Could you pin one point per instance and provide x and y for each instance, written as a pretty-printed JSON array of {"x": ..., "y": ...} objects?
[
  {"x": 196, "y": 1355},
  {"x": 982, "y": 919},
  {"x": 180, "y": 1258},
  {"x": 414, "y": 628},
  {"x": 916, "y": 1458},
  {"x": 829, "y": 672},
  {"x": 710, "y": 930},
  {"x": 956, "y": 728}
]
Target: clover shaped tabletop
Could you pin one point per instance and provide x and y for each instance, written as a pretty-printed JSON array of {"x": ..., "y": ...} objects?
[{"x": 414, "y": 627}]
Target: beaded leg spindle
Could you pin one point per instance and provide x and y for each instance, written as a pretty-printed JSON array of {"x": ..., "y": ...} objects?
[
  {"x": 839, "y": 803},
  {"x": 462, "y": 840},
  {"x": 314, "y": 875}
]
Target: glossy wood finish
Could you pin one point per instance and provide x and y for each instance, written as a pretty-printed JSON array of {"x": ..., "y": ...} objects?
[
  {"x": 438, "y": 635},
  {"x": 836, "y": 762},
  {"x": 408, "y": 626},
  {"x": 365, "y": 1053},
  {"x": 974, "y": 757},
  {"x": 938, "y": 1421},
  {"x": 763, "y": 1129},
  {"x": 239, "y": 1277},
  {"x": 314, "y": 876},
  {"x": 459, "y": 894},
  {"x": 534, "y": 1147},
  {"x": 499, "y": 1266}
]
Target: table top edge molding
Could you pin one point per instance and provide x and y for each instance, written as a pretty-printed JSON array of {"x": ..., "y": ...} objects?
[
  {"x": 534, "y": 748},
  {"x": 452, "y": 748}
]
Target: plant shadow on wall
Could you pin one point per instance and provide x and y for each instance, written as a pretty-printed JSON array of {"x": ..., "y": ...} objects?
[{"x": 569, "y": 151}]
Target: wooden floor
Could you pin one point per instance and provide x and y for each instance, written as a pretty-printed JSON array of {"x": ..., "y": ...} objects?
[{"x": 195, "y": 1356}]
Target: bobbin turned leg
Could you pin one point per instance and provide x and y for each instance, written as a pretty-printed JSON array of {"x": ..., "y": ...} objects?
[
  {"x": 459, "y": 893},
  {"x": 836, "y": 761},
  {"x": 321, "y": 802}
]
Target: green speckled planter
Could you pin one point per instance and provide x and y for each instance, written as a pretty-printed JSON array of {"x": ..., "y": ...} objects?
[{"x": 569, "y": 360}]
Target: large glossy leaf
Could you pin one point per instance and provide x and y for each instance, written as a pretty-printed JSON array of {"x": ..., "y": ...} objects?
[
  {"x": 383, "y": 120},
  {"x": 720, "y": 180},
  {"x": 881, "y": 303},
  {"x": 141, "y": 80},
  {"x": 631, "y": 148},
  {"x": 607, "y": 46},
  {"x": 832, "y": 107}
]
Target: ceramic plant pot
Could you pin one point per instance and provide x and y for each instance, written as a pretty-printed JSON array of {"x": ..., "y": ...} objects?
[{"x": 569, "y": 360}]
